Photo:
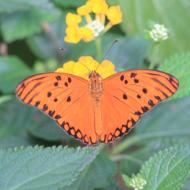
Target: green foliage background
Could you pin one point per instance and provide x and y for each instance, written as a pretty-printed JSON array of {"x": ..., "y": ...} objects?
[{"x": 36, "y": 154}]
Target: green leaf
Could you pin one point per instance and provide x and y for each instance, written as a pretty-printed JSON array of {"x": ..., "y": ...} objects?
[
  {"x": 138, "y": 14},
  {"x": 129, "y": 53},
  {"x": 16, "y": 141},
  {"x": 14, "y": 119},
  {"x": 46, "y": 46},
  {"x": 12, "y": 71},
  {"x": 113, "y": 186},
  {"x": 130, "y": 162},
  {"x": 9, "y": 6},
  {"x": 43, "y": 168},
  {"x": 46, "y": 129},
  {"x": 101, "y": 168},
  {"x": 23, "y": 119},
  {"x": 70, "y": 4},
  {"x": 14, "y": 25},
  {"x": 160, "y": 124},
  {"x": 66, "y": 4},
  {"x": 187, "y": 185},
  {"x": 14, "y": 122},
  {"x": 168, "y": 169},
  {"x": 178, "y": 65}
]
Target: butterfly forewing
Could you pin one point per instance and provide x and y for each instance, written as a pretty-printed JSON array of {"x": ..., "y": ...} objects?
[
  {"x": 64, "y": 98},
  {"x": 129, "y": 95}
]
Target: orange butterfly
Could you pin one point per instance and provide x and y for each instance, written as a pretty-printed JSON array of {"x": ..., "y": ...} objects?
[{"x": 97, "y": 110}]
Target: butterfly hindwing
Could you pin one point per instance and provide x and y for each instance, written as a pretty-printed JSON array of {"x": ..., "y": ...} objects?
[
  {"x": 129, "y": 94},
  {"x": 64, "y": 98}
]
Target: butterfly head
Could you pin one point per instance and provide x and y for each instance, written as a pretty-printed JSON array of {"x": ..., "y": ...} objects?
[{"x": 94, "y": 76}]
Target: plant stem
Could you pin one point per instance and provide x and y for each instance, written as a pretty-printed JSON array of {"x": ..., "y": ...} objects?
[
  {"x": 5, "y": 98},
  {"x": 98, "y": 43},
  {"x": 125, "y": 144},
  {"x": 155, "y": 58}
]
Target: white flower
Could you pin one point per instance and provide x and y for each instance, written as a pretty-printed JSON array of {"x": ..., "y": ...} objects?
[
  {"x": 159, "y": 33},
  {"x": 96, "y": 26},
  {"x": 138, "y": 182}
]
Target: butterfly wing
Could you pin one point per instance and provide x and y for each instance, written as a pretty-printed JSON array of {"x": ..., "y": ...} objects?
[
  {"x": 64, "y": 98},
  {"x": 128, "y": 95}
]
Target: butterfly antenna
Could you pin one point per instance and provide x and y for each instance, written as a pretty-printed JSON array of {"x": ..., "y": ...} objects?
[
  {"x": 108, "y": 51},
  {"x": 110, "y": 48}
]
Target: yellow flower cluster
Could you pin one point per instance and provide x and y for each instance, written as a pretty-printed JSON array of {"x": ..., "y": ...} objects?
[
  {"x": 85, "y": 65},
  {"x": 99, "y": 17}
]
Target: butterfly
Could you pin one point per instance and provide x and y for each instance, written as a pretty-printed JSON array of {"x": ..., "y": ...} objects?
[{"x": 97, "y": 110}]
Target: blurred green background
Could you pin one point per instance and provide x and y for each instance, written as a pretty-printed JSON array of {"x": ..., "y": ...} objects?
[{"x": 31, "y": 33}]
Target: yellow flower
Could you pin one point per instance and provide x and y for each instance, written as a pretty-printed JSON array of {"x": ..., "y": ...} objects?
[
  {"x": 98, "y": 6},
  {"x": 67, "y": 67},
  {"x": 106, "y": 68},
  {"x": 73, "y": 19},
  {"x": 85, "y": 65},
  {"x": 114, "y": 15},
  {"x": 86, "y": 34},
  {"x": 72, "y": 34},
  {"x": 92, "y": 19},
  {"x": 84, "y": 10},
  {"x": 88, "y": 62}
]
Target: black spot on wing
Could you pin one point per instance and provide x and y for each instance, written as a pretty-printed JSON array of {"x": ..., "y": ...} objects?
[
  {"x": 66, "y": 84},
  {"x": 133, "y": 75},
  {"x": 144, "y": 109},
  {"x": 56, "y": 84},
  {"x": 144, "y": 90},
  {"x": 37, "y": 104},
  {"x": 151, "y": 103},
  {"x": 49, "y": 94},
  {"x": 136, "y": 81},
  {"x": 51, "y": 113},
  {"x": 158, "y": 98},
  {"x": 68, "y": 99},
  {"x": 69, "y": 79},
  {"x": 122, "y": 77},
  {"x": 58, "y": 117},
  {"x": 125, "y": 96},
  {"x": 45, "y": 107},
  {"x": 58, "y": 77},
  {"x": 138, "y": 113}
]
